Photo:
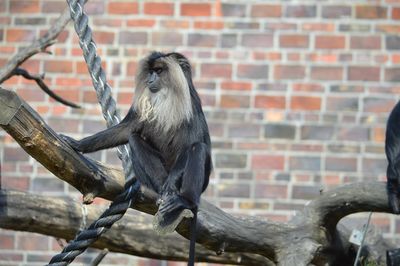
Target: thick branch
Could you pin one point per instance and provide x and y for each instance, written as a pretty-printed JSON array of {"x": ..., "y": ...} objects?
[
  {"x": 304, "y": 240},
  {"x": 60, "y": 217}
]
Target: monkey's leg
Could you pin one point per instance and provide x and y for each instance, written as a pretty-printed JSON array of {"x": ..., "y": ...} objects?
[
  {"x": 182, "y": 189},
  {"x": 147, "y": 163}
]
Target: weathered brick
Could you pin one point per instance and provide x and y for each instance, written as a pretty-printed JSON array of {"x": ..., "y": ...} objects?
[
  {"x": 122, "y": 8},
  {"x": 319, "y": 26},
  {"x": 359, "y": 134},
  {"x": 24, "y": 6},
  {"x": 31, "y": 241},
  {"x": 271, "y": 191},
  {"x": 202, "y": 40},
  {"x": 340, "y": 164},
  {"x": 244, "y": 131},
  {"x": 30, "y": 21},
  {"x": 15, "y": 154},
  {"x": 229, "y": 40},
  {"x": 230, "y": 160},
  {"x": 209, "y": 25},
  {"x": 141, "y": 22},
  {"x": 342, "y": 104},
  {"x": 374, "y": 166},
  {"x": 279, "y": 131},
  {"x": 53, "y": 6},
  {"x": 305, "y": 103},
  {"x": 155, "y": 8},
  {"x": 378, "y": 105},
  {"x": 233, "y": 10},
  {"x": 293, "y": 41},
  {"x": 252, "y": 71},
  {"x": 305, "y": 192},
  {"x": 235, "y": 101},
  {"x": 327, "y": 73},
  {"x": 301, "y": 11},
  {"x": 330, "y": 42},
  {"x": 396, "y": 13},
  {"x": 195, "y": 9},
  {"x": 354, "y": 27},
  {"x": 7, "y": 241},
  {"x": 104, "y": 37},
  {"x": 336, "y": 11},
  {"x": 257, "y": 40},
  {"x": 266, "y": 10},
  {"x": 211, "y": 70},
  {"x": 371, "y": 12},
  {"x": 233, "y": 190},
  {"x": 289, "y": 72},
  {"x": 365, "y": 42},
  {"x": 392, "y": 42},
  {"x": 47, "y": 185},
  {"x": 392, "y": 74},
  {"x": 132, "y": 38},
  {"x": 305, "y": 163},
  {"x": 270, "y": 102},
  {"x": 167, "y": 38},
  {"x": 317, "y": 132},
  {"x": 270, "y": 162},
  {"x": 364, "y": 73}
]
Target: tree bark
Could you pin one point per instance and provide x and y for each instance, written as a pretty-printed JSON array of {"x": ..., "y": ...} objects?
[{"x": 309, "y": 238}]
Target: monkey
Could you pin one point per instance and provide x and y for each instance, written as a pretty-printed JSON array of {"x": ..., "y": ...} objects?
[
  {"x": 168, "y": 137},
  {"x": 392, "y": 150}
]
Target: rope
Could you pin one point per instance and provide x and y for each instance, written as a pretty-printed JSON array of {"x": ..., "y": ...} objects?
[{"x": 123, "y": 201}]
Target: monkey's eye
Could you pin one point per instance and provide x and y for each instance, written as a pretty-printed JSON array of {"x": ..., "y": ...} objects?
[{"x": 158, "y": 70}]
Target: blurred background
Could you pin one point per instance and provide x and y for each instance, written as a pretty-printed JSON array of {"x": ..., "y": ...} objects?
[{"x": 296, "y": 94}]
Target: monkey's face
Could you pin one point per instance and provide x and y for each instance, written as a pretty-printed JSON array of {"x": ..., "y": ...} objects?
[{"x": 162, "y": 90}]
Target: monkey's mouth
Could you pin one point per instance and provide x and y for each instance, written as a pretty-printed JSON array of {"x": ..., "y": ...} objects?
[{"x": 154, "y": 89}]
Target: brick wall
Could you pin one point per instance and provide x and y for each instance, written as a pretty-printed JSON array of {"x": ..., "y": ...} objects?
[{"x": 296, "y": 95}]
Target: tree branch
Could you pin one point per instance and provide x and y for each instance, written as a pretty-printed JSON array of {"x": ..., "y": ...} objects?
[
  {"x": 308, "y": 238},
  {"x": 60, "y": 217}
]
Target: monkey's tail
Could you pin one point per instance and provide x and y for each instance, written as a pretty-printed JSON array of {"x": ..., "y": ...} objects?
[{"x": 192, "y": 247}]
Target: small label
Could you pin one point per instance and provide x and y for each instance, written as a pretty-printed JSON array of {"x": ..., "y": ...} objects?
[{"x": 356, "y": 237}]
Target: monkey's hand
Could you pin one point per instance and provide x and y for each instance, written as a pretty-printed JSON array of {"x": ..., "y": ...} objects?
[{"x": 71, "y": 142}]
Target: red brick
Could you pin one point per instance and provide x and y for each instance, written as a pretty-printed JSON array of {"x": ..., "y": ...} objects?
[
  {"x": 231, "y": 85},
  {"x": 195, "y": 9},
  {"x": 289, "y": 72},
  {"x": 7, "y": 241},
  {"x": 252, "y": 71},
  {"x": 155, "y": 8},
  {"x": 293, "y": 41},
  {"x": 270, "y": 102},
  {"x": 365, "y": 42},
  {"x": 15, "y": 183},
  {"x": 235, "y": 101},
  {"x": 325, "y": 27},
  {"x": 32, "y": 242},
  {"x": 20, "y": 35},
  {"x": 396, "y": 13},
  {"x": 266, "y": 11},
  {"x": 364, "y": 73},
  {"x": 310, "y": 87},
  {"x": 388, "y": 28},
  {"x": 175, "y": 24},
  {"x": 141, "y": 23},
  {"x": 271, "y": 191},
  {"x": 209, "y": 25},
  {"x": 270, "y": 162},
  {"x": 305, "y": 103},
  {"x": 25, "y": 6},
  {"x": 371, "y": 12},
  {"x": 330, "y": 42},
  {"x": 104, "y": 37},
  {"x": 257, "y": 40},
  {"x": 327, "y": 73},
  {"x": 58, "y": 66},
  {"x": 123, "y": 8},
  {"x": 210, "y": 70}
]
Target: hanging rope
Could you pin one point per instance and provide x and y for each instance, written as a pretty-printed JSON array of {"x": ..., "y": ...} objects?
[{"x": 123, "y": 201}]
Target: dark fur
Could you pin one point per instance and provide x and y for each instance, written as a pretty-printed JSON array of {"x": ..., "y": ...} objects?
[
  {"x": 392, "y": 149},
  {"x": 173, "y": 161}
]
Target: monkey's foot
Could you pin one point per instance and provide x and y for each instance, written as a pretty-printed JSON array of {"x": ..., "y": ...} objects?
[{"x": 170, "y": 213}]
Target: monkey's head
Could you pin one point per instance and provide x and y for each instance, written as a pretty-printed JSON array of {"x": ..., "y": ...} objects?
[{"x": 162, "y": 95}]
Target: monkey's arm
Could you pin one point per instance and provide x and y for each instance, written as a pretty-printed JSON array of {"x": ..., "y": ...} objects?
[{"x": 111, "y": 137}]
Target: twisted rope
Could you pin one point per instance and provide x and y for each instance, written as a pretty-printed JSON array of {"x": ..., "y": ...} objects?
[{"x": 123, "y": 201}]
